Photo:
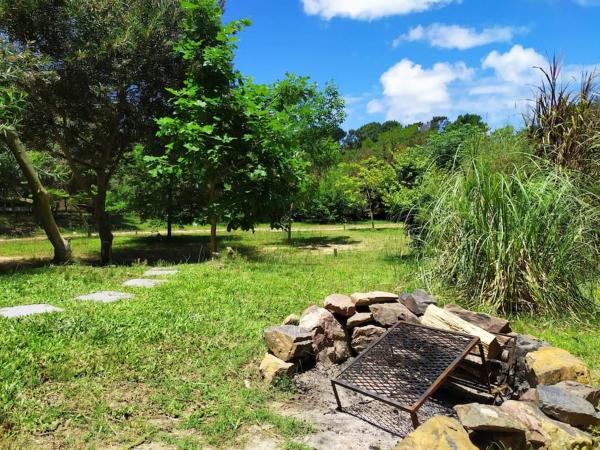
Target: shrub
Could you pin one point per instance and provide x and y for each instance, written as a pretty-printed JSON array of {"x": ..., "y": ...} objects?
[{"x": 520, "y": 241}]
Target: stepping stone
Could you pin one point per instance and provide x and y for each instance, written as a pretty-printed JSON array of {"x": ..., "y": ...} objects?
[
  {"x": 157, "y": 272},
  {"x": 143, "y": 283},
  {"x": 28, "y": 310},
  {"x": 105, "y": 296}
]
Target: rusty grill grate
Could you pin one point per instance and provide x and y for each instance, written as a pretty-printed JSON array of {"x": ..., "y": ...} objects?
[{"x": 406, "y": 366}]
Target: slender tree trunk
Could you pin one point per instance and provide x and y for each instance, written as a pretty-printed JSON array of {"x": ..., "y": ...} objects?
[
  {"x": 103, "y": 221},
  {"x": 212, "y": 195},
  {"x": 289, "y": 227},
  {"x": 372, "y": 218},
  {"x": 41, "y": 200},
  {"x": 170, "y": 210}
]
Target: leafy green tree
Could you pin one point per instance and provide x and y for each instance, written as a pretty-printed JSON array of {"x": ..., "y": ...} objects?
[
  {"x": 250, "y": 146},
  {"x": 113, "y": 61},
  {"x": 13, "y": 101}
]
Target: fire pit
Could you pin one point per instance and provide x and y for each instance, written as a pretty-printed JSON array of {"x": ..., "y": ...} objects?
[{"x": 406, "y": 366}]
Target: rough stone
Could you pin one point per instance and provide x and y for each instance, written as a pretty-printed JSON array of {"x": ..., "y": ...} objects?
[
  {"x": 292, "y": 319},
  {"x": 106, "y": 296},
  {"x": 330, "y": 341},
  {"x": 143, "y": 283},
  {"x": 158, "y": 272},
  {"x": 478, "y": 417},
  {"x": 28, "y": 310},
  {"x": 485, "y": 321},
  {"x": 362, "y": 337},
  {"x": 370, "y": 298},
  {"x": 545, "y": 432},
  {"x": 418, "y": 301},
  {"x": 340, "y": 304},
  {"x": 551, "y": 365},
  {"x": 530, "y": 396},
  {"x": 389, "y": 314},
  {"x": 289, "y": 342},
  {"x": 585, "y": 391},
  {"x": 560, "y": 404},
  {"x": 440, "y": 433},
  {"x": 358, "y": 320},
  {"x": 272, "y": 368}
]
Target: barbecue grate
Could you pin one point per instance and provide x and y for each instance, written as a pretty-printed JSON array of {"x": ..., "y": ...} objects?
[{"x": 407, "y": 365}]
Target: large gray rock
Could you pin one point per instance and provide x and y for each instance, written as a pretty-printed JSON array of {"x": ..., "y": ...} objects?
[
  {"x": 359, "y": 319},
  {"x": 362, "y": 337},
  {"x": 418, "y": 301},
  {"x": 560, "y": 404},
  {"x": 585, "y": 391},
  {"x": 340, "y": 304},
  {"x": 389, "y": 314},
  {"x": 478, "y": 417},
  {"x": 544, "y": 432},
  {"x": 370, "y": 298},
  {"x": 484, "y": 321},
  {"x": 329, "y": 338},
  {"x": 289, "y": 342}
]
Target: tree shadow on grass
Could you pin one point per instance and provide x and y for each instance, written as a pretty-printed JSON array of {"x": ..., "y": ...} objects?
[{"x": 317, "y": 242}]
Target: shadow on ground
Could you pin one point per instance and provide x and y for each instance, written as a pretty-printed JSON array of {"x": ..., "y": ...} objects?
[{"x": 314, "y": 242}]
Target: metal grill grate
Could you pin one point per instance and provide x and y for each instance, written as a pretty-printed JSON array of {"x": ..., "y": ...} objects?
[{"x": 407, "y": 365}]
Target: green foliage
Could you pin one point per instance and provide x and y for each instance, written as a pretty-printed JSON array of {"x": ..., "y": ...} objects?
[{"x": 519, "y": 239}]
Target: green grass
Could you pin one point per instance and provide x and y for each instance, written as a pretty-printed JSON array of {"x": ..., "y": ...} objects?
[{"x": 171, "y": 365}]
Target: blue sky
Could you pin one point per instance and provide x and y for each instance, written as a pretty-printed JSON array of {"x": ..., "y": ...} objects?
[{"x": 411, "y": 59}]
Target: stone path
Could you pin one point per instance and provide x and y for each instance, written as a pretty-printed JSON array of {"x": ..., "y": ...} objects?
[
  {"x": 143, "y": 283},
  {"x": 105, "y": 296},
  {"x": 101, "y": 297},
  {"x": 28, "y": 310}
]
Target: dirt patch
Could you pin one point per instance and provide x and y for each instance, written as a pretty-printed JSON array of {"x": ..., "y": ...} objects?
[{"x": 315, "y": 404}]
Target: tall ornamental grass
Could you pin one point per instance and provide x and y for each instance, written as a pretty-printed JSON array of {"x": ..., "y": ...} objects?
[{"x": 519, "y": 241}]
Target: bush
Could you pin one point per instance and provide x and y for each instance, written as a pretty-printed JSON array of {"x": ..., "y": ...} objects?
[{"x": 520, "y": 241}]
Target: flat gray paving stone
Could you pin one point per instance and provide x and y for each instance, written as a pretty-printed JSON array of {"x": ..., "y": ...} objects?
[
  {"x": 106, "y": 296},
  {"x": 28, "y": 310},
  {"x": 143, "y": 283},
  {"x": 156, "y": 272}
]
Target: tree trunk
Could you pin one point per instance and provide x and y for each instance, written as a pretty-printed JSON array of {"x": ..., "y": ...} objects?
[
  {"x": 41, "y": 200},
  {"x": 212, "y": 195},
  {"x": 372, "y": 219},
  {"x": 103, "y": 221},
  {"x": 170, "y": 211},
  {"x": 289, "y": 227}
]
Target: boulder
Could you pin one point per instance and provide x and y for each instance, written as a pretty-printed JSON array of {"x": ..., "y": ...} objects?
[
  {"x": 545, "y": 432},
  {"x": 439, "y": 433},
  {"x": 292, "y": 319},
  {"x": 560, "y": 404},
  {"x": 389, "y": 314},
  {"x": 485, "y": 321},
  {"x": 524, "y": 344},
  {"x": 289, "y": 342},
  {"x": 340, "y": 304},
  {"x": 418, "y": 301},
  {"x": 273, "y": 369},
  {"x": 370, "y": 298},
  {"x": 478, "y": 417},
  {"x": 587, "y": 392},
  {"x": 358, "y": 320},
  {"x": 362, "y": 337},
  {"x": 530, "y": 396},
  {"x": 551, "y": 365},
  {"x": 329, "y": 338}
]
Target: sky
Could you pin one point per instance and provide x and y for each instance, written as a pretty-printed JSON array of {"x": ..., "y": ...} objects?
[{"x": 409, "y": 60}]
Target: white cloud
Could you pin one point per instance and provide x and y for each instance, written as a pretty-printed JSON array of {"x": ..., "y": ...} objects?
[
  {"x": 457, "y": 37},
  {"x": 411, "y": 92},
  {"x": 517, "y": 66},
  {"x": 369, "y": 9},
  {"x": 499, "y": 90}
]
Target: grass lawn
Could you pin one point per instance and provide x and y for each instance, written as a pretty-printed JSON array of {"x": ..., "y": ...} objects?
[{"x": 173, "y": 364}]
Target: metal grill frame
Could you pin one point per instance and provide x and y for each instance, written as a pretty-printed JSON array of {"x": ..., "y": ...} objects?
[{"x": 429, "y": 391}]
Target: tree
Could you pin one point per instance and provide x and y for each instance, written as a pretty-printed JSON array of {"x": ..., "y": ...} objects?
[
  {"x": 12, "y": 103},
  {"x": 249, "y": 145},
  {"x": 113, "y": 61}
]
